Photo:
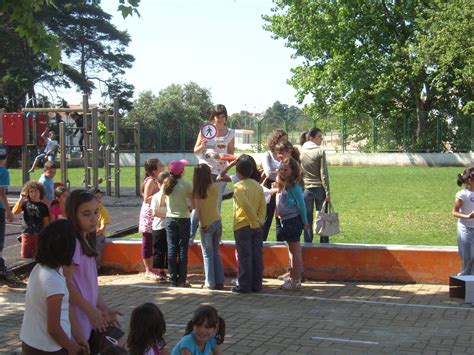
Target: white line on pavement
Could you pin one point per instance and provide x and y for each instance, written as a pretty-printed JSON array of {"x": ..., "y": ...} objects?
[
  {"x": 325, "y": 299},
  {"x": 347, "y": 340}
]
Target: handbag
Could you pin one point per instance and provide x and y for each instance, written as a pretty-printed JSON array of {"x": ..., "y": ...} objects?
[
  {"x": 326, "y": 223},
  {"x": 106, "y": 342}
]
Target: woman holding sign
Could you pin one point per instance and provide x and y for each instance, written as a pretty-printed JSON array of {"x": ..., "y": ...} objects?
[{"x": 215, "y": 143}]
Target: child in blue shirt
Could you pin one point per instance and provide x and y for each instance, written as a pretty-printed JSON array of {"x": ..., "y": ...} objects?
[
  {"x": 291, "y": 210},
  {"x": 203, "y": 335},
  {"x": 48, "y": 183},
  {"x": 5, "y": 213}
]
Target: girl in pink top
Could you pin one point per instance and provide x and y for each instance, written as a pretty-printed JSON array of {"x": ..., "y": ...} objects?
[
  {"x": 91, "y": 312},
  {"x": 58, "y": 206},
  {"x": 150, "y": 187}
]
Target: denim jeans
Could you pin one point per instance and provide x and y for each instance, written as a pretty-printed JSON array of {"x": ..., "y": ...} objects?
[
  {"x": 466, "y": 249},
  {"x": 313, "y": 196},
  {"x": 249, "y": 244},
  {"x": 210, "y": 240},
  {"x": 177, "y": 235},
  {"x": 2, "y": 228}
]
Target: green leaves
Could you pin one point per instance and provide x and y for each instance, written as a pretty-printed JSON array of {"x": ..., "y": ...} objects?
[{"x": 362, "y": 59}]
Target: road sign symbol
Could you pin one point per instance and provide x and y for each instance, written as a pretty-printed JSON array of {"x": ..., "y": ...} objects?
[{"x": 208, "y": 131}]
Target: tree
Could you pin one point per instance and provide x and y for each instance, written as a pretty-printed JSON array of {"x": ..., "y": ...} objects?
[
  {"x": 171, "y": 120},
  {"x": 95, "y": 49},
  {"x": 22, "y": 13},
  {"x": 378, "y": 59}
]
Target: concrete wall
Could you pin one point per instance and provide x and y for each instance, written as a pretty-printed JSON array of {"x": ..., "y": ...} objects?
[
  {"x": 353, "y": 262},
  {"x": 338, "y": 159}
]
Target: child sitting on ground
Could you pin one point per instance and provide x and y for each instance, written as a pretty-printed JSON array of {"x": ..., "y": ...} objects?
[
  {"x": 35, "y": 216},
  {"x": 147, "y": 327},
  {"x": 203, "y": 335}
]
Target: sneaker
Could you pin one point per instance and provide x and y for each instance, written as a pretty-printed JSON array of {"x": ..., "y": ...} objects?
[
  {"x": 149, "y": 275},
  {"x": 284, "y": 277},
  {"x": 291, "y": 285},
  {"x": 186, "y": 284},
  {"x": 234, "y": 282},
  {"x": 163, "y": 278},
  {"x": 238, "y": 289},
  {"x": 3, "y": 268}
]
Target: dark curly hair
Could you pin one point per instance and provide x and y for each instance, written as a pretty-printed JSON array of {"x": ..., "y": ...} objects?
[{"x": 275, "y": 137}]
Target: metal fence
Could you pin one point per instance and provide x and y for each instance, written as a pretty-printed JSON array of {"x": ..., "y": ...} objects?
[{"x": 439, "y": 132}]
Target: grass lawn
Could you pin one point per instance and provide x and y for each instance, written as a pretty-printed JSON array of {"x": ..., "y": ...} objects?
[{"x": 376, "y": 205}]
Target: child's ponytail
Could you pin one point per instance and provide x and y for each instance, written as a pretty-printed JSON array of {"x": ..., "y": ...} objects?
[
  {"x": 220, "y": 335},
  {"x": 169, "y": 184},
  {"x": 468, "y": 173}
]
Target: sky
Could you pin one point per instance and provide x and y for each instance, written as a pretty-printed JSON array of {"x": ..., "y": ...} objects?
[{"x": 218, "y": 44}]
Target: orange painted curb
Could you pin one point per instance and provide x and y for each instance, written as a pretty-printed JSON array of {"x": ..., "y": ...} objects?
[{"x": 321, "y": 261}]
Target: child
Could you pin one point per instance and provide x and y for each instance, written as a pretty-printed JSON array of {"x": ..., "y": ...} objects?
[
  {"x": 147, "y": 327},
  {"x": 47, "y": 180},
  {"x": 104, "y": 220},
  {"x": 285, "y": 150},
  {"x": 291, "y": 210},
  {"x": 464, "y": 210},
  {"x": 160, "y": 244},
  {"x": 203, "y": 335},
  {"x": 178, "y": 197},
  {"x": 95, "y": 319},
  {"x": 58, "y": 206},
  {"x": 49, "y": 151},
  {"x": 206, "y": 196},
  {"x": 5, "y": 213},
  {"x": 35, "y": 216},
  {"x": 249, "y": 215},
  {"x": 46, "y": 324},
  {"x": 149, "y": 187}
]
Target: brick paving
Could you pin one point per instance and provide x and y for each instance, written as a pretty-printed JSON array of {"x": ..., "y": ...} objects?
[{"x": 325, "y": 317}]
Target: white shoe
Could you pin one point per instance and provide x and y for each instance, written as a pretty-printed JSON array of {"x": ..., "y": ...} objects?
[
  {"x": 149, "y": 275},
  {"x": 291, "y": 285}
]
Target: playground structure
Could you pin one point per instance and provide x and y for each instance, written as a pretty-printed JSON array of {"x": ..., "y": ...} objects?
[{"x": 23, "y": 129}]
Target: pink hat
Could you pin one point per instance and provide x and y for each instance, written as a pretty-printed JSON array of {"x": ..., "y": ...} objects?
[{"x": 176, "y": 167}]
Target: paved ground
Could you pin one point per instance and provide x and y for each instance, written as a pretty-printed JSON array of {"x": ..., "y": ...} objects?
[
  {"x": 325, "y": 317},
  {"x": 124, "y": 213}
]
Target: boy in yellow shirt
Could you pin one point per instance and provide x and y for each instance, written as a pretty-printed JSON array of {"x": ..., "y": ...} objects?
[
  {"x": 104, "y": 220},
  {"x": 249, "y": 215}
]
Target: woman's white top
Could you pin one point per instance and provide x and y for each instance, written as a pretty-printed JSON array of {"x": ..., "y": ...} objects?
[
  {"x": 214, "y": 147},
  {"x": 270, "y": 165}
]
